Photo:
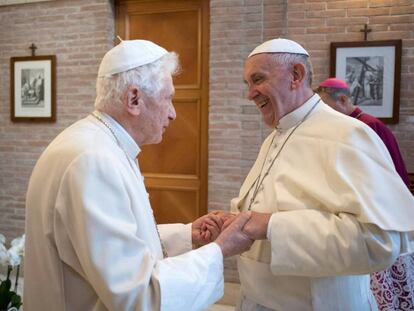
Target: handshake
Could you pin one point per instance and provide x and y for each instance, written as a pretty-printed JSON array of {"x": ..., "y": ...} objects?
[{"x": 233, "y": 233}]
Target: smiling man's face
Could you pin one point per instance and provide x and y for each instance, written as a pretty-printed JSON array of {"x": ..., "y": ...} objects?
[{"x": 268, "y": 86}]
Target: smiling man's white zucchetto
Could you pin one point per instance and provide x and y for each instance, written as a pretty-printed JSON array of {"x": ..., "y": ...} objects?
[{"x": 279, "y": 46}]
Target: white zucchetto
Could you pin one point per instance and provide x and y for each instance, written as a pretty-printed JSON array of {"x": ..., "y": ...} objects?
[
  {"x": 279, "y": 46},
  {"x": 129, "y": 54}
]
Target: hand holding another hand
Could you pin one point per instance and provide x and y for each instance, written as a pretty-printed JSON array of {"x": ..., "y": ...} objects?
[
  {"x": 207, "y": 228},
  {"x": 256, "y": 227},
  {"x": 232, "y": 240},
  {"x": 226, "y": 217},
  {"x": 233, "y": 233}
]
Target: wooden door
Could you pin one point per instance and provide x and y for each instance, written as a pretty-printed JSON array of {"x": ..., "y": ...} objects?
[{"x": 175, "y": 170}]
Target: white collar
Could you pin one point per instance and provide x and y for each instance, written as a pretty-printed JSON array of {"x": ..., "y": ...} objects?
[
  {"x": 297, "y": 115},
  {"x": 127, "y": 142}
]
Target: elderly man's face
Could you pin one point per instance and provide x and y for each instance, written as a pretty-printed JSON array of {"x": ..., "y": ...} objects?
[
  {"x": 268, "y": 86},
  {"x": 157, "y": 113}
]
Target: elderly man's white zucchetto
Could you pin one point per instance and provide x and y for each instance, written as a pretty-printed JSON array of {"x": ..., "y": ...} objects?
[
  {"x": 279, "y": 46},
  {"x": 129, "y": 54}
]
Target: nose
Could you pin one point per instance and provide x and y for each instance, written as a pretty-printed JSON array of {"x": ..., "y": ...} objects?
[
  {"x": 251, "y": 92},
  {"x": 172, "y": 115}
]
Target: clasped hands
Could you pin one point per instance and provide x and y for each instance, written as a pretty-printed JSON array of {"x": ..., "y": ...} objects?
[{"x": 234, "y": 233}]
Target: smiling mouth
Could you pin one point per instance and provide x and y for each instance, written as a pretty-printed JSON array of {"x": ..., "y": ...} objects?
[{"x": 263, "y": 103}]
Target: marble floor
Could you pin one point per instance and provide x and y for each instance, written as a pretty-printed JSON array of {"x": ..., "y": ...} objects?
[{"x": 219, "y": 307}]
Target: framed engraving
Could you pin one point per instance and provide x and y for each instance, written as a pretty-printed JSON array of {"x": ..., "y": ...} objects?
[
  {"x": 33, "y": 89},
  {"x": 372, "y": 70}
]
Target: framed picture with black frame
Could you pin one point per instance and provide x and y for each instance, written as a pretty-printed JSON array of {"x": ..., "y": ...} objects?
[
  {"x": 33, "y": 89},
  {"x": 372, "y": 70}
]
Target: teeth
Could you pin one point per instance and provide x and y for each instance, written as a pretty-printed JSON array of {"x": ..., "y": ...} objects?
[{"x": 263, "y": 103}]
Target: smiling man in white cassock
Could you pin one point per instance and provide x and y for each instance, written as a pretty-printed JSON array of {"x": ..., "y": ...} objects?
[
  {"x": 320, "y": 192},
  {"x": 91, "y": 238}
]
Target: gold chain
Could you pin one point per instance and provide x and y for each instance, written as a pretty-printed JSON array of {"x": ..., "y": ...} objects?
[{"x": 164, "y": 251}]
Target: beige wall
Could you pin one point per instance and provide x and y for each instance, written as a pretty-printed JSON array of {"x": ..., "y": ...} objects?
[{"x": 78, "y": 32}]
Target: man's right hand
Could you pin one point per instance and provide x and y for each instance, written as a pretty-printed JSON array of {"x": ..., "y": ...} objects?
[
  {"x": 256, "y": 227},
  {"x": 233, "y": 240}
]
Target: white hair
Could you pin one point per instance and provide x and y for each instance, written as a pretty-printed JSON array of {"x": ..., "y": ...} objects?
[
  {"x": 148, "y": 78},
  {"x": 289, "y": 59}
]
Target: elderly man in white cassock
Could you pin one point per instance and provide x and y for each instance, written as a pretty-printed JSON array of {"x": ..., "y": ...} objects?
[
  {"x": 92, "y": 241},
  {"x": 320, "y": 192}
]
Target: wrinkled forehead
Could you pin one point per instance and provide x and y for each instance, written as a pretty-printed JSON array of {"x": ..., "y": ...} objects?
[
  {"x": 167, "y": 82},
  {"x": 259, "y": 63},
  {"x": 255, "y": 62}
]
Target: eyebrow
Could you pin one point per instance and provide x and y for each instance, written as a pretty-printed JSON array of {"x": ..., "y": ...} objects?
[{"x": 253, "y": 76}]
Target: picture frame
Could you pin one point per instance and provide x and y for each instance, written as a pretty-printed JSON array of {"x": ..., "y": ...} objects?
[
  {"x": 372, "y": 69},
  {"x": 33, "y": 88}
]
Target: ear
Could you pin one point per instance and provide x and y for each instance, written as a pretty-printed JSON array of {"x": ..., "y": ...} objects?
[
  {"x": 343, "y": 99},
  {"x": 132, "y": 100},
  {"x": 298, "y": 75}
]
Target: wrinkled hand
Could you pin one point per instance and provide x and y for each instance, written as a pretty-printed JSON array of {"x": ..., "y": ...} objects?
[
  {"x": 226, "y": 217},
  {"x": 206, "y": 229},
  {"x": 256, "y": 227},
  {"x": 233, "y": 240}
]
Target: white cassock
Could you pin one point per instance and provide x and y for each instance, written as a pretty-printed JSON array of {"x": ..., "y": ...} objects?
[
  {"x": 340, "y": 211},
  {"x": 91, "y": 239}
]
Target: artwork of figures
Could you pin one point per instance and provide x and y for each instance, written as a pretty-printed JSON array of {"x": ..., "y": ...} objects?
[
  {"x": 372, "y": 70},
  {"x": 32, "y": 88},
  {"x": 364, "y": 76}
]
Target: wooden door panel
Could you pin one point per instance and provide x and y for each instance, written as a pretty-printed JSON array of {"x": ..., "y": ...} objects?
[
  {"x": 175, "y": 31},
  {"x": 175, "y": 170},
  {"x": 174, "y": 205}
]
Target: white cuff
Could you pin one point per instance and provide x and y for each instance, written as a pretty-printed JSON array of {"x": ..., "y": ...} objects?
[{"x": 269, "y": 227}]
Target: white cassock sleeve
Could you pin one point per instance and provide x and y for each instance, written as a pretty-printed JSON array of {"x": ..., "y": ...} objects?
[
  {"x": 98, "y": 228},
  {"x": 188, "y": 283},
  {"x": 176, "y": 238},
  {"x": 302, "y": 239}
]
